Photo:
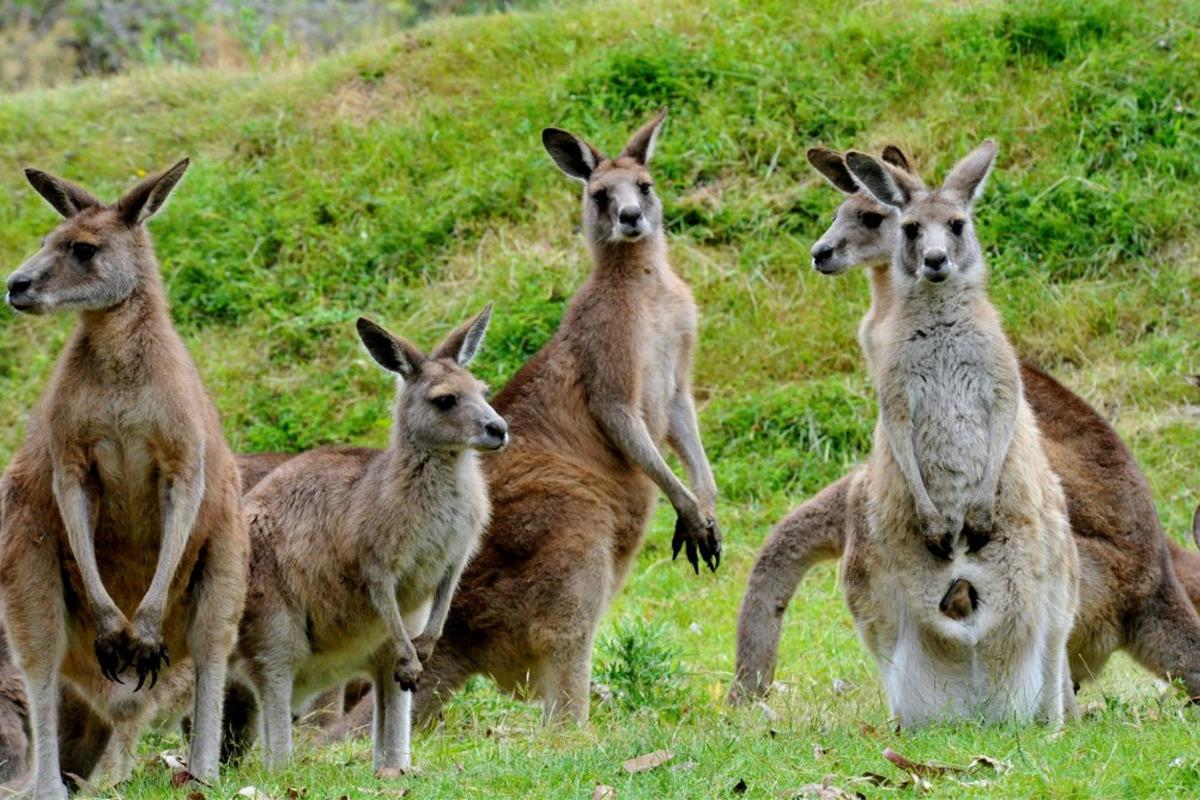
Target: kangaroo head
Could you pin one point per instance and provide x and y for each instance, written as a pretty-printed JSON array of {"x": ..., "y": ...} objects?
[
  {"x": 98, "y": 254},
  {"x": 937, "y": 242},
  {"x": 439, "y": 404},
  {"x": 864, "y": 230},
  {"x": 619, "y": 203}
]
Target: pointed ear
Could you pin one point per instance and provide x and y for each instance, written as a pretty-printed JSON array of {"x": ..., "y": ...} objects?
[
  {"x": 831, "y": 164},
  {"x": 390, "y": 352},
  {"x": 641, "y": 145},
  {"x": 572, "y": 154},
  {"x": 144, "y": 200},
  {"x": 66, "y": 198},
  {"x": 463, "y": 343},
  {"x": 893, "y": 155},
  {"x": 885, "y": 183},
  {"x": 967, "y": 178}
]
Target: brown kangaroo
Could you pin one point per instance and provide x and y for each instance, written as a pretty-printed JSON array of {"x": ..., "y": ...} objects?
[
  {"x": 588, "y": 414},
  {"x": 124, "y": 498},
  {"x": 1132, "y": 577}
]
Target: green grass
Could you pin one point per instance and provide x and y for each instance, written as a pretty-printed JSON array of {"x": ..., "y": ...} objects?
[{"x": 406, "y": 180}]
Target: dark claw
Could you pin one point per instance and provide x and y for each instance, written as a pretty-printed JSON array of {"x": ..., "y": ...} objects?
[
  {"x": 153, "y": 659},
  {"x": 109, "y": 660},
  {"x": 714, "y": 546},
  {"x": 941, "y": 547},
  {"x": 976, "y": 540},
  {"x": 692, "y": 557}
]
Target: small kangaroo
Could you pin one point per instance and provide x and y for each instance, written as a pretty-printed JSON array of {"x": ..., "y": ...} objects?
[
  {"x": 957, "y": 450},
  {"x": 356, "y": 551},
  {"x": 123, "y": 499},
  {"x": 1132, "y": 577}
]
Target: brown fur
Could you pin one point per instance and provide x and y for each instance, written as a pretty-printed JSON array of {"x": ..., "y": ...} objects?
[
  {"x": 126, "y": 418},
  {"x": 82, "y": 734},
  {"x": 354, "y": 548}
]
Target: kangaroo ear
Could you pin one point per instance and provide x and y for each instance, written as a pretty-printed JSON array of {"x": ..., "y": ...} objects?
[
  {"x": 968, "y": 177},
  {"x": 390, "y": 352},
  {"x": 573, "y": 155},
  {"x": 893, "y": 155},
  {"x": 641, "y": 145},
  {"x": 885, "y": 183},
  {"x": 67, "y": 198},
  {"x": 831, "y": 164},
  {"x": 144, "y": 200},
  {"x": 463, "y": 343}
]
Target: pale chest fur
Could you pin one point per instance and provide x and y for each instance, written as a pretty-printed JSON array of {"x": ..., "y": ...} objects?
[
  {"x": 944, "y": 370},
  {"x": 664, "y": 352},
  {"x": 442, "y": 532}
]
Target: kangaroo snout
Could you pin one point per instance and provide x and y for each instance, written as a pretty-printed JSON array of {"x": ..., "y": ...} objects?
[
  {"x": 495, "y": 435},
  {"x": 18, "y": 288},
  {"x": 936, "y": 266},
  {"x": 821, "y": 256},
  {"x": 630, "y": 215}
]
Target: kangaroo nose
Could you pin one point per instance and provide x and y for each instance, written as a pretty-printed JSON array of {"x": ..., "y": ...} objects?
[
  {"x": 19, "y": 284},
  {"x": 630, "y": 215},
  {"x": 935, "y": 260},
  {"x": 497, "y": 429},
  {"x": 821, "y": 253}
]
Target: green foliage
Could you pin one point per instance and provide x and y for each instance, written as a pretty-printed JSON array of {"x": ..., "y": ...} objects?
[{"x": 641, "y": 665}]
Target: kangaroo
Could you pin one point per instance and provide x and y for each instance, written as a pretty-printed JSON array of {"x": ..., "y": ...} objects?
[
  {"x": 124, "y": 498},
  {"x": 957, "y": 461},
  {"x": 355, "y": 551},
  {"x": 589, "y": 413},
  {"x": 1132, "y": 577}
]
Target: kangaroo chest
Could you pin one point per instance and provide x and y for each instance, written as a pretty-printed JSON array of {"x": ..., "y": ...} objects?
[
  {"x": 669, "y": 329},
  {"x": 125, "y": 456},
  {"x": 448, "y": 538},
  {"x": 949, "y": 373}
]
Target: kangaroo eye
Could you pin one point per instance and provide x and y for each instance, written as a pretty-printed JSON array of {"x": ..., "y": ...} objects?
[
  {"x": 83, "y": 251},
  {"x": 871, "y": 219},
  {"x": 601, "y": 199},
  {"x": 911, "y": 230},
  {"x": 645, "y": 186},
  {"x": 956, "y": 226},
  {"x": 445, "y": 402}
]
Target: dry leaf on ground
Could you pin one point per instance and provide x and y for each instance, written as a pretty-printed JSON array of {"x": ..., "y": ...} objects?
[
  {"x": 825, "y": 790},
  {"x": 648, "y": 761}
]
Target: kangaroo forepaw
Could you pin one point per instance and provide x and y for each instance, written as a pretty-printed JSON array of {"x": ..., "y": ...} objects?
[
  {"x": 940, "y": 544},
  {"x": 110, "y": 654},
  {"x": 148, "y": 657},
  {"x": 408, "y": 674},
  {"x": 424, "y": 645},
  {"x": 976, "y": 538},
  {"x": 700, "y": 540}
]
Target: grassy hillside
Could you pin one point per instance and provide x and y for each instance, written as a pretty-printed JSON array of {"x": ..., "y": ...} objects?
[{"x": 406, "y": 180}]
